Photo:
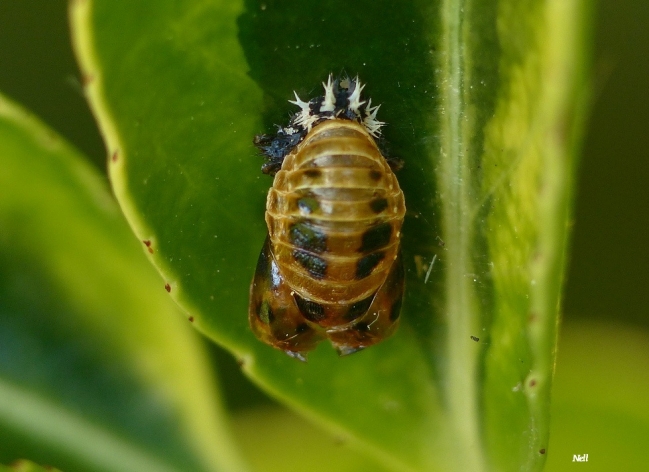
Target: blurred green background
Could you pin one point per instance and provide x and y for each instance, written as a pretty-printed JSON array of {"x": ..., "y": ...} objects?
[{"x": 602, "y": 379}]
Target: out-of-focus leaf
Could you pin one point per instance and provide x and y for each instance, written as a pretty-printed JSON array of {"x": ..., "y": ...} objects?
[
  {"x": 264, "y": 433},
  {"x": 98, "y": 371},
  {"x": 599, "y": 399},
  {"x": 23, "y": 465}
]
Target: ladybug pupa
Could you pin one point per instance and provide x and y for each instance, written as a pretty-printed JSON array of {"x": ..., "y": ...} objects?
[{"x": 331, "y": 265}]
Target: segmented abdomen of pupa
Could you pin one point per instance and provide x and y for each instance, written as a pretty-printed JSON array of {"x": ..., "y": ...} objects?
[{"x": 334, "y": 217}]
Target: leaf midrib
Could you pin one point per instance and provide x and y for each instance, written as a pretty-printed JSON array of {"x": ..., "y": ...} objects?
[{"x": 455, "y": 180}]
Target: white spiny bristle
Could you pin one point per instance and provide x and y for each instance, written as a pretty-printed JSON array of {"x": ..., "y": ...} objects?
[
  {"x": 372, "y": 111},
  {"x": 371, "y": 123},
  {"x": 304, "y": 118},
  {"x": 303, "y": 105},
  {"x": 329, "y": 102},
  {"x": 355, "y": 97},
  {"x": 311, "y": 121}
]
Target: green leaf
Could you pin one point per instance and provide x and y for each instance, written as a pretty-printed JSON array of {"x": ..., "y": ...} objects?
[
  {"x": 97, "y": 369},
  {"x": 483, "y": 101},
  {"x": 23, "y": 465},
  {"x": 263, "y": 434},
  {"x": 599, "y": 398}
]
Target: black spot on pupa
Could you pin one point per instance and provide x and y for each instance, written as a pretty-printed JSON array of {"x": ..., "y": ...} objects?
[
  {"x": 316, "y": 266},
  {"x": 307, "y": 237},
  {"x": 362, "y": 327},
  {"x": 265, "y": 313},
  {"x": 302, "y": 328},
  {"x": 395, "y": 311},
  {"x": 262, "y": 263},
  {"x": 367, "y": 264},
  {"x": 376, "y": 237},
  {"x": 308, "y": 205},
  {"x": 379, "y": 205},
  {"x": 313, "y": 173},
  {"x": 359, "y": 308},
  {"x": 312, "y": 311},
  {"x": 375, "y": 175}
]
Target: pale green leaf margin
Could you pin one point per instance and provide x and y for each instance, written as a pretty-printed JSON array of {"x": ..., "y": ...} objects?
[{"x": 80, "y": 13}]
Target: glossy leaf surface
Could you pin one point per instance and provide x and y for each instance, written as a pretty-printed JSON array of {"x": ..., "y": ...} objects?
[{"x": 483, "y": 102}]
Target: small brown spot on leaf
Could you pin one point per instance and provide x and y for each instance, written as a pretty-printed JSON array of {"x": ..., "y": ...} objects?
[
  {"x": 475, "y": 338},
  {"x": 147, "y": 243},
  {"x": 115, "y": 156},
  {"x": 87, "y": 79},
  {"x": 168, "y": 288},
  {"x": 542, "y": 451},
  {"x": 532, "y": 383},
  {"x": 191, "y": 319}
]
